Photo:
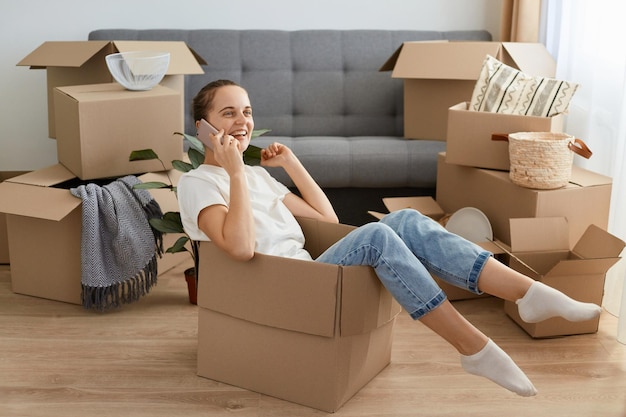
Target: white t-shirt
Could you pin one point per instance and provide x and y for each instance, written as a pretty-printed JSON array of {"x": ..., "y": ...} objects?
[{"x": 277, "y": 231}]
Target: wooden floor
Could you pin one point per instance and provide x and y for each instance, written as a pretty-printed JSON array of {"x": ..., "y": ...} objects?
[{"x": 58, "y": 360}]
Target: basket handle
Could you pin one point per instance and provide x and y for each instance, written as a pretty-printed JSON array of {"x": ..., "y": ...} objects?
[
  {"x": 500, "y": 137},
  {"x": 580, "y": 148},
  {"x": 577, "y": 146}
]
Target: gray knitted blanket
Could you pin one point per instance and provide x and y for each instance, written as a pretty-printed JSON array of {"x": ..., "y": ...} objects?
[{"x": 119, "y": 249}]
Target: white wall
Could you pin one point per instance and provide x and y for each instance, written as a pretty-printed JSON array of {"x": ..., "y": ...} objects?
[{"x": 25, "y": 24}]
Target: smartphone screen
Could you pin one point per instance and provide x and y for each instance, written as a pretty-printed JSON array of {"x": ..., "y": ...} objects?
[{"x": 204, "y": 130}]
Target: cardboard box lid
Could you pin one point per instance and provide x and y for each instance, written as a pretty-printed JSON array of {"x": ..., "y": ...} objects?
[
  {"x": 462, "y": 60},
  {"x": 439, "y": 60},
  {"x": 596, "y": 249},
  {"x": 183, "y": 60},
  {"x": 31, "y": 194},
  {"x": 425, "y": 205},
  {"x": 539, "y": 234},
  {"x": 532, "y": 58}
]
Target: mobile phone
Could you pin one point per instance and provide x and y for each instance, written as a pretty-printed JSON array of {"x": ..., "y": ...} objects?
[{"x": 204, "y": 130}]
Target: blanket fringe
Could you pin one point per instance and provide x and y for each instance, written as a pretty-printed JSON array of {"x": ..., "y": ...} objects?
[{"x": 113, "y": 296}]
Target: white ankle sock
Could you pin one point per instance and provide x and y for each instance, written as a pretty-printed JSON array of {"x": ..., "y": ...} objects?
[
  {"x": 542, "y": 302},
  {"x": 493, "y": 363}
]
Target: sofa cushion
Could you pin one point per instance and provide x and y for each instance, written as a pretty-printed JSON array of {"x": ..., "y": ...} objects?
[{"x": 362, "y": 161}]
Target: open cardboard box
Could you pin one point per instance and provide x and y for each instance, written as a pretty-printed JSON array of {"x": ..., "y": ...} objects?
[
  {"x": 44, "y": 225},
  {"x": 306, "y": 332},
  {"x": 584, "y": 201},
  {"x": 542, "y": 251},
  {"x": 83, "y": 62},
  {"x": 469, "y": 137},
  {"x": 99, "y": 125},
  {"x": 429, "y": 207},
  {"x": 438, "y": 75}
]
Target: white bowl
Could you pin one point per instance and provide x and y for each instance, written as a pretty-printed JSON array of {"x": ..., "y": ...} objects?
[
  {"x": 470, "y": 223},
  {"x": 138, "y": 70}
]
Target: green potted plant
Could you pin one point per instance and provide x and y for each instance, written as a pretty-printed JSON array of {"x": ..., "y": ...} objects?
[{"x": 171, "y": 222}]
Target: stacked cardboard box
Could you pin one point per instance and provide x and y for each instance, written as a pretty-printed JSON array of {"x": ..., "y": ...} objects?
[
  {"x": 438, "y": 75},
  {"x": 439, "y": 78},
  {"x": 96, "y": 124}
]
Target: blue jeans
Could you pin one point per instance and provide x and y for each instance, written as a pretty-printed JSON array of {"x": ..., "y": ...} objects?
[{"x": 404, "y": 248}]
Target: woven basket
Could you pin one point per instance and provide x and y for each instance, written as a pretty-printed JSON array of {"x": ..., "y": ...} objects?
[{"x": 543, "y": 160}]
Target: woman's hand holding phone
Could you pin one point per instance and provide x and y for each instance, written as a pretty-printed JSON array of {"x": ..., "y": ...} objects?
[{"x": 205, "y": 129}]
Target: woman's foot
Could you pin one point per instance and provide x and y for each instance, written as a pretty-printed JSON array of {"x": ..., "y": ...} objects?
[
  {"x": 493, "y": 363},
  {"x": 542, "y": 302}
]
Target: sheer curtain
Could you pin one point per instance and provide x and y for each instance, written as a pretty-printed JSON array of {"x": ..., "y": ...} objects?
[{"x": 587, "y": 39}]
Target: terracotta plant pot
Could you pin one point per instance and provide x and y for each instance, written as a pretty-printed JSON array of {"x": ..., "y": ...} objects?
[{"x": 190, "y": 277}]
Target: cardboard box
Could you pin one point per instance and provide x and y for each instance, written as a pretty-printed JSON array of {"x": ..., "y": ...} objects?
[
  {"x": 82, "y": 62},
  {"x": 306, "y": 332},
  {"x": 4, "y": 240},
  {"x": 543, "y": 249},
  {"x": 44, "y": 224},
  {"x": 429, "y": 207},
  {"x": 584, "y": 201},
  {"x": 99, "y": 125},
  {"x": 438, "y": 75},
  {"x": 469, "y": 137}
]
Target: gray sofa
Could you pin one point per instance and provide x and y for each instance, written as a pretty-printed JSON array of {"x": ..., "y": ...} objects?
[{"x": 322, "y": 94}]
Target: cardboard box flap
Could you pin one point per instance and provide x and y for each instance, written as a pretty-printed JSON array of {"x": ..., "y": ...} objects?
[
  {"x": 45, "y": 177},
  {"x": 391, "y": 61},
  {"x": 63, "y": 54},
  {"x": 574, "y": 267},
  {"x": 365, "y": 303},
  {"x": 320, "y": 235},
  {"x": 538, "y": 234},
  {"x": 584, "y": 178},
  {"x": 37, "y": 202},
  {"x": 425, "y": 205},
  {"x": 260, "y": 298},
  {"x": 31, "y": 195},
  {"x": 531, "y": 58},
  {"x": 183, "y": 59},
  {"x": 597, "y": 243},
  {"x": 442, "y": 60}
]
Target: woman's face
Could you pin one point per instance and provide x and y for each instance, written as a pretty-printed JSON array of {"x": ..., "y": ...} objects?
[{"x": 231, "y": 111}]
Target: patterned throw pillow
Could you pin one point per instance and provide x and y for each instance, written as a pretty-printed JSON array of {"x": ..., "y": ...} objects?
[{"x": 503, "y": 89}]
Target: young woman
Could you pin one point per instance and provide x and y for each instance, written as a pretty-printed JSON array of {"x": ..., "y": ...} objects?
[{"x": 243, "y": 210}]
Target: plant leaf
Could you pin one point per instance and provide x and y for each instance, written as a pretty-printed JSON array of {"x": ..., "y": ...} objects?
[
  {"x": 179, "y": 245},
  {"x": 193, "y": 141},
  {"x": 150, "y": 185},
  {"x": 182, "y": 166},
  {"x": 259, "y": 132},
  {"x": 252, "y": 155},
  {"x": 143, "y": 155},
  {"x": 196, "y": 157},
  {"x": 169, "y": 223}
]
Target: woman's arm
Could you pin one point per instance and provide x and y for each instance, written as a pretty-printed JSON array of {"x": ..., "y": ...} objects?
[
  {"x": 231, "y": 228},
  {"x": 314, "y": 202}
]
